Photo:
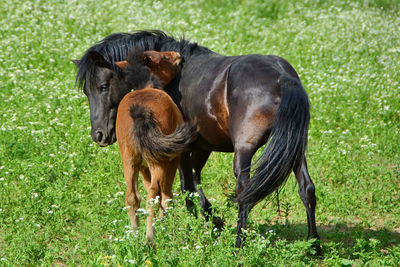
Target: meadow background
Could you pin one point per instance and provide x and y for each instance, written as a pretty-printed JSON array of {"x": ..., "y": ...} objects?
[{"x": 62, "y": 196}]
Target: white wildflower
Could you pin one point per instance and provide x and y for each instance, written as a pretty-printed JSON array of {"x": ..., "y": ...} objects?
[{"x": 118, "y": 194}]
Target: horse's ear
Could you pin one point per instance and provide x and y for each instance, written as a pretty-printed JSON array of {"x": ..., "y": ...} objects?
[
  {"x": 76, "y": 62},
  {"x": 99, "y": 60},
  {"x": 122, "y": 64}
]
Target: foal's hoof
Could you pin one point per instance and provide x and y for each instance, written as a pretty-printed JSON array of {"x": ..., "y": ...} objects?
[{"x": 151, "y": 245}]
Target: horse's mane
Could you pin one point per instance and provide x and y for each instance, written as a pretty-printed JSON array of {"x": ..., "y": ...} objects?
[{"x": 115, "y": 48}]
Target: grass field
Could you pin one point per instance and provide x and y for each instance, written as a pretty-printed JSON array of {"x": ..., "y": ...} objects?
[{"x": 61, "y": 196}]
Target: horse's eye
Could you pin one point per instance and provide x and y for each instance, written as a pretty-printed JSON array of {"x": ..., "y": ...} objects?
[{"x": 104, "y": 87}]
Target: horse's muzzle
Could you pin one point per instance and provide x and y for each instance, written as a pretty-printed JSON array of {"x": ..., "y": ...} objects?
[{"x": 104, "y": 139}]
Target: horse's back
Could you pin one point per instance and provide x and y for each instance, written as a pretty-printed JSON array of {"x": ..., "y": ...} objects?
[
  {"x": 225, "y": 93},
  {"x": 253, "y": 87}
]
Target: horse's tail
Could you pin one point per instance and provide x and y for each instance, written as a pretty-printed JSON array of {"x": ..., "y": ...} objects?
[
  {"x": 150, "y": 141},
  {"x": 287, "y": 144}
]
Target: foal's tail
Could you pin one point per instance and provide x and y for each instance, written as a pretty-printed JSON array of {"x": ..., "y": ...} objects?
[
  {"x": 152, "y": 143},
  {"x": 287, "y": 144}
]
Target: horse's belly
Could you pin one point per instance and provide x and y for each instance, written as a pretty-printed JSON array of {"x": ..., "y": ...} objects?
[
  {"x": 213, "y": 135},
  {"x": 205, "y": 144}
]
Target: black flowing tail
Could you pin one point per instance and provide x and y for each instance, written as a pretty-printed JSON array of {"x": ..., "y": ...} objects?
[
  {"x": 150, "y": 141},
  {"x": 287, "y": 144}
]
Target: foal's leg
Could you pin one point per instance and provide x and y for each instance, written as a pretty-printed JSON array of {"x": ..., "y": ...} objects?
[
  {"x": 307, "y": 195},
  {"x": 167, "y": 183},
  {"x": 132, "y": 197},
  {"x": 144, "y": 170},
  {"x": 158, "y": 173}
]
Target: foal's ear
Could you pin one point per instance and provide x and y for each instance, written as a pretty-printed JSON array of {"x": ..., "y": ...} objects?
[
  {"x": 122, "y": 64},
  {"x": 154, "y": 58},
  {"x": 151, "y": 57},
  {"x": 173, "y": 57},
  {"x": 147, "y": 60},
  {"x": 99, "y": 60},
  {"x": 76, "y": 62}
]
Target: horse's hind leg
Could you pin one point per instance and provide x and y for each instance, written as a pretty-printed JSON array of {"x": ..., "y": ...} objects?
[
  {"x": 241, "y": 166},
  {"x": 247, "y": 136},
  {"x": 307, "y": 195}
]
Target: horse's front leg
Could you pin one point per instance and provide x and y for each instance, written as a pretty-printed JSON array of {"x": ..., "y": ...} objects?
[
  {"x": 198, "y": 160},
  {"x": 186, "y": 178},
  {"x": 190, "y": 168}
]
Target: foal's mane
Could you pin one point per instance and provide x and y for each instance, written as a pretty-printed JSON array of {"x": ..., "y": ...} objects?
[
  {"x": 115, "y": 47},
  {"x": 136, "y": 74}
]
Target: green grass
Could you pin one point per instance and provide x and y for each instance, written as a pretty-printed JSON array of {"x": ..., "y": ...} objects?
[{"x": 60, "y": 194}]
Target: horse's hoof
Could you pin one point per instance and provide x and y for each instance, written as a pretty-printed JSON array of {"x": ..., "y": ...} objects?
[
  {"x": 239, "y": 243},
  {"x": 316, "y": 247},
  {"x": 218, "y": 222},
  {"x": 318, "y": 250}
]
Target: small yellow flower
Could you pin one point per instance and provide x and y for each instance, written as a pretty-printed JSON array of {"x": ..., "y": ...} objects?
[
  {"x": 106, "y": 260},
  {"x": 148, "y": 262}
]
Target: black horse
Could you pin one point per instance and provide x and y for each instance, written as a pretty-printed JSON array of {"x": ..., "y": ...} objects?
[{"x": 238, "y": 103}]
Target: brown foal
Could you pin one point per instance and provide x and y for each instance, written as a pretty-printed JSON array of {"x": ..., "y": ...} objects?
[{"x": 151, "y": 134}]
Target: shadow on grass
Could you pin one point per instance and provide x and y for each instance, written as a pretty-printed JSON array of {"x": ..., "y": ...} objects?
[{"x": 336, "y": 233}]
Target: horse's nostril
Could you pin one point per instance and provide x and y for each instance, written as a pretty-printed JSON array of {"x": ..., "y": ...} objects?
[{"x": 99, "y": 135}]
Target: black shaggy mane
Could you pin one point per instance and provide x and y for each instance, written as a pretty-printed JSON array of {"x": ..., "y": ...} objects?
[{"x": 115, "y": 47}]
